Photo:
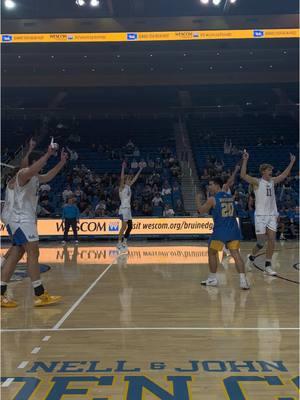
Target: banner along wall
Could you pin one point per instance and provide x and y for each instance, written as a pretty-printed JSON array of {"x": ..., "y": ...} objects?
[{"x": 141, "y": 226}]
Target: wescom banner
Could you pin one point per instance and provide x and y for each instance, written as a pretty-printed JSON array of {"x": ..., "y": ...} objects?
[{"x": 141, "y": 226}]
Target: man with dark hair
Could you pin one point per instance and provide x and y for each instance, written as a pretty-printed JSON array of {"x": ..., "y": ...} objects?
[{"x": 226, "y": 231}]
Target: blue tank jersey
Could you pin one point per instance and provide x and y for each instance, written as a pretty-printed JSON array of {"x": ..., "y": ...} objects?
[{"x": 226, "y": 228}]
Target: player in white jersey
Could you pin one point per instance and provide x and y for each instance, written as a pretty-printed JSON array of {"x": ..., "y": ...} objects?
[
  {"x": 125, "y": 207},
  {"x": 16, "y": 251},
  {"x": 266, "y": 213},
  {"x": 23, "y": 224}
]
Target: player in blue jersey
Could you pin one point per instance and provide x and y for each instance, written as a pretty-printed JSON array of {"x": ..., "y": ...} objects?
[{"x": 226, "y": 231}]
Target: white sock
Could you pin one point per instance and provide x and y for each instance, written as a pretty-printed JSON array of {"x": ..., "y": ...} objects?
[
  {"x": 2, "y": 261},
  {"x": 213, "y": 275},
  {"x": 124, "y": 240},
  {"x": 36, "y": 284},
  {"x": 242, "y": 276},
  {"x": 3, "y": 283}
]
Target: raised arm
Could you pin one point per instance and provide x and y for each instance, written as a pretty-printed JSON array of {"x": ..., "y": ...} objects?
[
  {"x": 54, "y": 171},
  {"x": 122, "y": 174},
  {"x": 24, "y": 162},
  {"x": 136, "y": 176},
  {"x": 205, "y": 208},
  {"x": 27, "y": 173},
  {"x": 244, "y": 175},
  {"x": 231, "y": 179},
  {"x": 287, "y": 171}
]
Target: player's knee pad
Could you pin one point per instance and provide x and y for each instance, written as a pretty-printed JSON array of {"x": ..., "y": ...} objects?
[{"x": 260, "y": 244}]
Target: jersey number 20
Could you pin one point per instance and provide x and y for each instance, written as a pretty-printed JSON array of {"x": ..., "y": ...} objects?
[{"x": 227, "y": 210}]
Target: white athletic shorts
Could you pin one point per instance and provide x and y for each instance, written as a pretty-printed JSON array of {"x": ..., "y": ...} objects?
[
  {"x": 262, "y": 222},
  {"x": 22, "y": 233},
  {"x": 125, "y": 214}
]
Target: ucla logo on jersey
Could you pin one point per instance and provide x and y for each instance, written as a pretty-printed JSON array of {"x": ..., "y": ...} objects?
[
  {"x": 257, "y": 33},
  {"x": 113, "y": 227}
]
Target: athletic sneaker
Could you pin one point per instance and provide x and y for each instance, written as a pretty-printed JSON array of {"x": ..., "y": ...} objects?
[
  {"x": 63, "y": 242},
  {"x": 270, "y": 271},
  {"x": 282, "y": 237},
  {"x": 7, "y": 302},
  {"x": 45, "y": 299},
  {"x": 76, "y": 241},
  {"x": 244, "y": 284},
  {"x": 210, "y": 282}
]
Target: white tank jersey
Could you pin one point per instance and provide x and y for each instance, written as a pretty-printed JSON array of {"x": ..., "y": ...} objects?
[
  {"x": 265, "y": 200},
  {"x": 25, "y": 201},
  {"x": 125, "y": 197},
  {"x": 8, "y": 205}
]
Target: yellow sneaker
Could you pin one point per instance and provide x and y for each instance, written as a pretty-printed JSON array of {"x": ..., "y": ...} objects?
[
  {"x": 45, "y": 299},
  {"x": 7, "y": 302}
]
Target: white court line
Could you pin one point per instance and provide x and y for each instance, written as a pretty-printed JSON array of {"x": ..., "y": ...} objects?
[
  {"x": 145, "y": 329},
  {"x": 7, "y": 382},
  {"x": 76, "y": 304},
  {"x": 23, "y": 364},
  {"x": 35, "y": 350},
  {"x": 46, "y": 338}
]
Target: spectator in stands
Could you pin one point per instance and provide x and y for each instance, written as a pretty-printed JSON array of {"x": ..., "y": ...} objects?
[
  {"x": 44, "y": 196},
  {"x": 42, "y": 212},
  {"x": 67, "y": 193},
  {"x": 47, "y": 206},
  {"x": 179, "y": 207},
  {"x": 157, "y": 201},
  {"x": 168, "y": 211},
  {"x": 88, "y": 212},
  {"x": 219, "y": 166},
  {"x": 101, "y": 206},
  {"x": 73, "y": 155},
  {"x": 83, "y": 203},
  {"x": 227, "y": 146},
  {"x": 142, "y": 164},
  {"x": 166, "y": 189},
  {"x": 45, "y": 187},
  {"x": 205, "y": 175},
  {"x": 134, "y": 165},
  {"x": 175, "y": 188}
]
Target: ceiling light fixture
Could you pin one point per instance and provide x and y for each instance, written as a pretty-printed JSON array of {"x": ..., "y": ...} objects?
[
  {"x": 94, "y": 3},
  {"x": 80, "y": 3},
  {"x": 10, "y": 4}
]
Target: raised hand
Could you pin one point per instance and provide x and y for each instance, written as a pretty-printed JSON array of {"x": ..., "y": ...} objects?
[
  {"x": 32, "y": 144},
  {"x": 51, "y": 151},
  {"x": 292, "y": 157},
  {"x": 245, "y": 155}
]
